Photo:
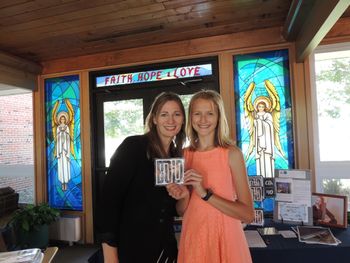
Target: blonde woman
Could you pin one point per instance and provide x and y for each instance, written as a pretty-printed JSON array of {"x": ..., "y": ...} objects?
[{"x": 219, "y": 198}]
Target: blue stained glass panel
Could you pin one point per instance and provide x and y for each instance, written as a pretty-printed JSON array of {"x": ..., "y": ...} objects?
[
  {"x": 264, "y": 113},
  {"x": 63, "y": 145}
]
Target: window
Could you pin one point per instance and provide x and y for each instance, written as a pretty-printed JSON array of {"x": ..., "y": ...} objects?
[
  {"x": 63, "y": 142},
  {"x": 263, "y": 103},
  {"x": 331, "y": 112},
  {"x": 16, "y": 144}
]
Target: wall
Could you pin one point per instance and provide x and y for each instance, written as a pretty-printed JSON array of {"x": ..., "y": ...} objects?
[
  {"x": 16, "y": 129},
  {"x": 16, "y": 145},
  {"x": 224, "y": 46}
]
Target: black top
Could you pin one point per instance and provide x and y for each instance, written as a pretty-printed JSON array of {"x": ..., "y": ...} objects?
[{"x": 137, "y": 216}]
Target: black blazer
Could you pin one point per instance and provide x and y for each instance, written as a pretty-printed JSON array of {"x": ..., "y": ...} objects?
[{"x": 137, "y": 216}]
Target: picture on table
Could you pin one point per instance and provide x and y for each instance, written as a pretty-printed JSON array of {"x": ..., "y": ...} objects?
[{"x": 330, "y": 210}]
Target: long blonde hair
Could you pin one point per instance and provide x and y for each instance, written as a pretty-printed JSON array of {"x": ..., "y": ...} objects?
[{"x": 222, "y": 131}]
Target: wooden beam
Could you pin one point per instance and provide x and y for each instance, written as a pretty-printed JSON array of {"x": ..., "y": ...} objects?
[
  {"x": 297, "y": 14},
  {"x": 10, "y": 60},
  {"x": 16, "y": 78},
  {"x": 324, "y": 14},
  {"x": 18, "y": 72}
]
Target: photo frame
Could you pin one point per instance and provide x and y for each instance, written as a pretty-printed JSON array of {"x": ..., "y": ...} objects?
[
  {"x": 329, "y": 210},
  {"x": 256, "y": 187},
  {"x": 258, "y": 218},
  {"x": 293, "y": 203}
]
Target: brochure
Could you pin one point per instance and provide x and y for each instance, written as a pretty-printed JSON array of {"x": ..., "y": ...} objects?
[
  {"x": 267, "y": 231},
  {"x": 317, "y": 235},
  {"x": 22, "y": 256},
  {"x": 293, "y": 197},
  {"x": 254, "y": 239}
]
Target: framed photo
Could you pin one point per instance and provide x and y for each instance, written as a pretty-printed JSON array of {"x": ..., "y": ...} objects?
[
  {"x": 258, "y": 218},
  {"x": 257, "y": 193},
  {"x": 256, "y": 187},
  {"x": 329, "y": 210}
]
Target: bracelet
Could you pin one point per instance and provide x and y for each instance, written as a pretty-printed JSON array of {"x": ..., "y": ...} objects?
[{"x": 208, "y": 195}]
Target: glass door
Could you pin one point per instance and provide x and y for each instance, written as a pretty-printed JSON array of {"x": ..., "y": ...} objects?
[
  {"x": 120, "y": 111},
  {"x": 121, "y": 118}
]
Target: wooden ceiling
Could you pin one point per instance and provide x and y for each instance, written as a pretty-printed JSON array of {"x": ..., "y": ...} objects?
[{"x": 43, "y": 30}]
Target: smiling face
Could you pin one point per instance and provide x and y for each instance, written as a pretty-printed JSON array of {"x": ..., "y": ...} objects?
[
  {"x": 261, "y": 107},
  {"x": 169, "y": 120},
  {"x": 204, "y": 117}
]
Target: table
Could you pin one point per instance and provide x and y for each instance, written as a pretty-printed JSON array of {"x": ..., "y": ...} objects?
[
  {"x": 49, "y": 254},
  {"x": 284, "y": 250}
]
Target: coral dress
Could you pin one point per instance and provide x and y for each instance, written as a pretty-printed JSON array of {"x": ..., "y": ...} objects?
[{"x": 208, "y": 235}]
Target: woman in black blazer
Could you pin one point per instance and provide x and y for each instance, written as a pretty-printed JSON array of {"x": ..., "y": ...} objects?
[{"x": 136, "y": 224}]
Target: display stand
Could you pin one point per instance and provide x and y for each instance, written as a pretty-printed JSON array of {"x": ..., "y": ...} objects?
[
  {"x": 293, "y": 197},
  {"x": 260, "y": 188}
]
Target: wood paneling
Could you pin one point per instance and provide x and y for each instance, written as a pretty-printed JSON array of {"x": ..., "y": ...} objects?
[
  {"x": 310, "y": 122},
  {"x": 340, "y": 32},
  {"x": 39, "y": 142},
  {"x": 176, "y": 50},
  {"x": 86, "y": 157},
  {"x": 300, "y": 117},
  {"x": 43, "y": 30},
  {"x": 227, "y": 90}
]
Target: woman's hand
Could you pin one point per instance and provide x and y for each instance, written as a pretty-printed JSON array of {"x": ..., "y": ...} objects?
[
  {"x": 181, "y": 194},
  {"x": 177, "y": 191},
  {"x": 110, "y": 254},
  {"x": 193, "y": 178}
]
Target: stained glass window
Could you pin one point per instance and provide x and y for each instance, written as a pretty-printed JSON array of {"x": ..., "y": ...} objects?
[
  {"x": 63, "y": 145},
  {"x": 263, "y": 112}
]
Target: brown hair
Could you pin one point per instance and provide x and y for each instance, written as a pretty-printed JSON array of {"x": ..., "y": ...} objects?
[
  {"x": 222, "y": 133},
  {"x": 155, "y": 149}
]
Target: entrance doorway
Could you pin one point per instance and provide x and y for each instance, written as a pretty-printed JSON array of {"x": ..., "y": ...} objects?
[{"x": 120, "y": 110}]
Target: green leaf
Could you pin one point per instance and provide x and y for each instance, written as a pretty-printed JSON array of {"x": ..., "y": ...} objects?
[{"x": 33, "y": 216}]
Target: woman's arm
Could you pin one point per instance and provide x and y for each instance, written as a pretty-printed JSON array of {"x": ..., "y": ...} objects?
[
  {"x": 120, "y": 173},
  {"x": 110, "y": 254},
  {"x": 180, "y": 193},
  {"x": 242, "y": 207}
]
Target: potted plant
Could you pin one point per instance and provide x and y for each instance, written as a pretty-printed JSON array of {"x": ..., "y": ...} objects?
[{"x": 31, "y": 225}]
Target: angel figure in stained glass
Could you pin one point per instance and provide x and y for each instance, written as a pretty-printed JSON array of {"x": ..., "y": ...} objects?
[
  {"x": 263, "y": 120},
  {"x": 63, "y": 134}
]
